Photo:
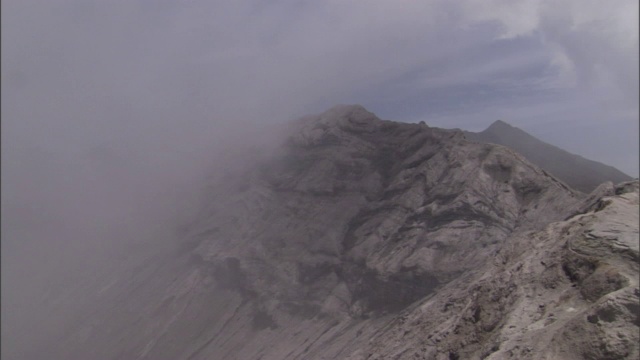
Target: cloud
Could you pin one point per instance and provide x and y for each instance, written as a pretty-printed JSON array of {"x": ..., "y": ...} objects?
[
  {"x": 245, "y": 59},
  {"x": 155, "y": 82},
  {"x": 143, "y": 79}
]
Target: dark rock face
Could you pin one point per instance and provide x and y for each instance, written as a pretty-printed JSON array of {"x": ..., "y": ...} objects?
[
  {"x": 580, "y": 173},
  {"x": 368, "y": 239}
]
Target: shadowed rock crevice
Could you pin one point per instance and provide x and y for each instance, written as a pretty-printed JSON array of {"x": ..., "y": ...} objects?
[{"x": 377, "y": 294}]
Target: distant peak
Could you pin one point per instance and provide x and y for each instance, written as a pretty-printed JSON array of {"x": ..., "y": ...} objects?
[
  {"x": 501, "y": 127},
  {"x": 499, "y": 124}
]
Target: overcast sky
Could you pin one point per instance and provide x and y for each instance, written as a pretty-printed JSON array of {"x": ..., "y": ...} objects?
[
  {"x": 147, "y": 83},
  {"x": 78, "y": 72}
]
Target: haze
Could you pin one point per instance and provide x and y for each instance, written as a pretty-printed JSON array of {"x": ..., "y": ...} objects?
[{"x": 112, "y": 112}]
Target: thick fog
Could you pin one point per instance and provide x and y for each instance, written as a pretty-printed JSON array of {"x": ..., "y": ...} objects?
[
  {"x": 114, "y": 112},
  {"x": 108, "y": 131}
]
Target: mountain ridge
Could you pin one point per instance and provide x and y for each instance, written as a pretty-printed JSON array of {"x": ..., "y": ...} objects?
[
  {"x": 580, "y": 173},
  {"x": 360, "y": 238}
]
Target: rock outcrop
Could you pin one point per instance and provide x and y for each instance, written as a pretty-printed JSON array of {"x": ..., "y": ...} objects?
[{"x": 569, "y": 291}]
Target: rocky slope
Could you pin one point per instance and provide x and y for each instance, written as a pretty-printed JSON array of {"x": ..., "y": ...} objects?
[
  {"x": 360, "y": 238},
  {"x": 569, "y": 291},
  {"x": 580, "y": 173}
]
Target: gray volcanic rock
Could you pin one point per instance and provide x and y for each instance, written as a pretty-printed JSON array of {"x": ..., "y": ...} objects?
[
  {"x": 569, "y": 291},
  {"x": 580, "y": 173},
  {"x": 368, "y": 239}
]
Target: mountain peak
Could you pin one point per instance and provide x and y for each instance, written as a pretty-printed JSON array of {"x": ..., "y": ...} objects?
[{"x": 500, "y": 125}]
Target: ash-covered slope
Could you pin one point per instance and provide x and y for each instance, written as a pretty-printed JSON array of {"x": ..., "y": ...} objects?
[
  {"x": 580, "y": 173},
  {"x": 325, "y": 248}
]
